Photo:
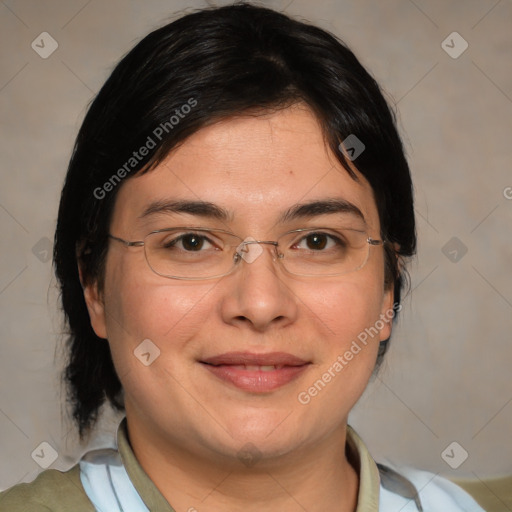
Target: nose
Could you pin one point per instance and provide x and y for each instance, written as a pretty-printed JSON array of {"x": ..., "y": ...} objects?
[{"x": 257, "y": 294}]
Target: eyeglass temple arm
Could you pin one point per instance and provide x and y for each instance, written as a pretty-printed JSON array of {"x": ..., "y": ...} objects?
[{"x": 137, "y": 243}]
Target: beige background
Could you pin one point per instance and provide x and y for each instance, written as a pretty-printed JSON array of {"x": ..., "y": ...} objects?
[{"x": 447, "y": 376}]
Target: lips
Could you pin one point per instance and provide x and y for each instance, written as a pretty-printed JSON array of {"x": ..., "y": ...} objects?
[
  {"x": 257, "y": 373},
  {"x": 249, "y": 359}
]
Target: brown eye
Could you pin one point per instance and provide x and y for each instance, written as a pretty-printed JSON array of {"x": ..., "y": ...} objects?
[
  {"x": 189, "y": 242},
  {"x": 192, "y": 242},
  {"x": 320, "y": 242},
  {"x": 316, "y": 241}
]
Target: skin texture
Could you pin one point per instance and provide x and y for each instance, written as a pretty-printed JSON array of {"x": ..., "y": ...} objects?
[{"x": 186, "y": 426}]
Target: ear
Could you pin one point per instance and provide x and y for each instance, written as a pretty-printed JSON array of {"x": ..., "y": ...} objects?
[
  {"x": 387, "y": 313},
  {"x": 95, "y": 306}
]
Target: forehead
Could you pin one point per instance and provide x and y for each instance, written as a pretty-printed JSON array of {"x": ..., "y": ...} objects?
[{"x": 255, "y": 167}]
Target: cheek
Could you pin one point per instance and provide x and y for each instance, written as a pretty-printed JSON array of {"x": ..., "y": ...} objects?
[
  {"x": 142, "y": 306},
  {"x": 348, "y": 317},
  {"x": 346, "y": 308}
]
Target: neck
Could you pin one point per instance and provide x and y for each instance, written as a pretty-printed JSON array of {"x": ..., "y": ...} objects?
[{"x": 313, "y": 478}]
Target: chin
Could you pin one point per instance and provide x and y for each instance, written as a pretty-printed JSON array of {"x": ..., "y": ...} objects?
[{"x": 271, "y": 433}]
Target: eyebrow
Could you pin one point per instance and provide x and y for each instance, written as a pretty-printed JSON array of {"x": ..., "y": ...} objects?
[
  {"x": 211, "y": 210},
  {"x": 320, "y": 207},
  {"x": 199, "y": 208}
]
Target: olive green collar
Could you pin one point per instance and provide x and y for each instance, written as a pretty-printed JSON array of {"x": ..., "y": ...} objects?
[{"x": 369, "y": 481}]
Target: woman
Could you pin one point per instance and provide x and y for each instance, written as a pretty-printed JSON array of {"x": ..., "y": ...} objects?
[{"x": 230, "y": 246}]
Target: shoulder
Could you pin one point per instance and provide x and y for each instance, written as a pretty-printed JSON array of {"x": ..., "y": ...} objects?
[
  {"x": 52, "y": 490},
  {"x": 434, "y": 492}
]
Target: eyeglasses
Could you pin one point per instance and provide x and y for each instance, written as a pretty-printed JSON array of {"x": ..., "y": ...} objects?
[{"x": 201, "y": 253}]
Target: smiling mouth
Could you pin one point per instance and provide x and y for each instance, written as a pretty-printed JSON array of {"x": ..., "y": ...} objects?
[{"x": 256, "y": 373}]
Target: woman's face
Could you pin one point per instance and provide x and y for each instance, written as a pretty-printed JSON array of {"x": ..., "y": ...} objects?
[{"x": 199, "y": 382}]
